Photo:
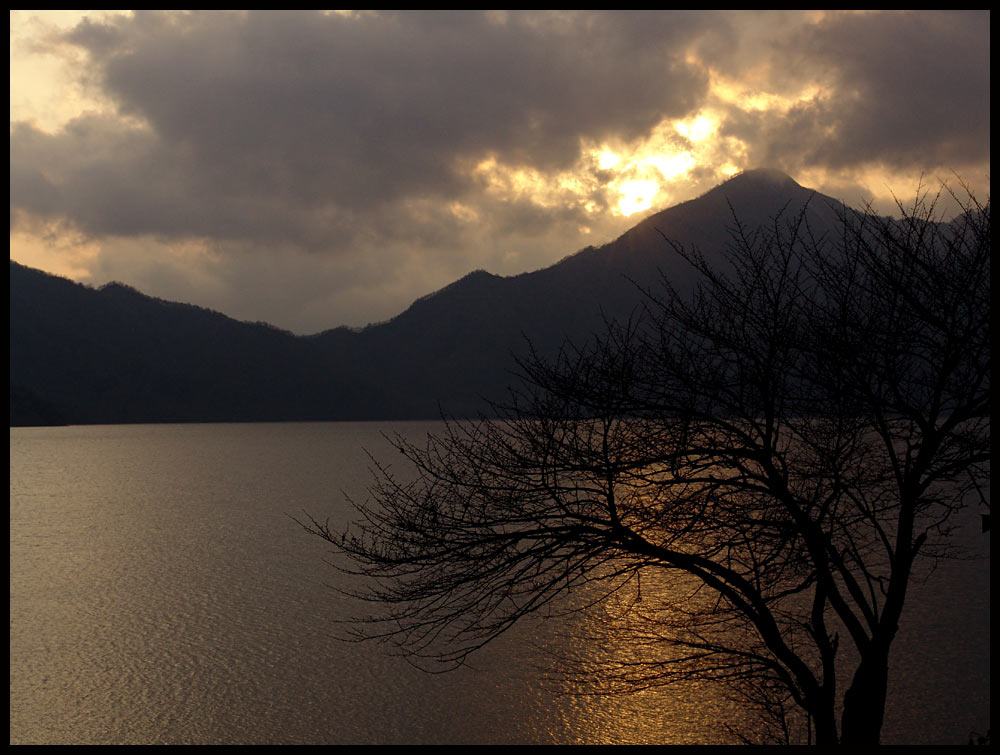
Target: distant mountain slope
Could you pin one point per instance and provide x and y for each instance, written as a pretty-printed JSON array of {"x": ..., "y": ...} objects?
[{"x": 108, "y": 355}]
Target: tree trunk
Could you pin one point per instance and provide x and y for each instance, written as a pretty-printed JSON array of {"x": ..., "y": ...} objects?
[
  {"x": 825, "y": 726},
  {"x": 864, "y": 702}
]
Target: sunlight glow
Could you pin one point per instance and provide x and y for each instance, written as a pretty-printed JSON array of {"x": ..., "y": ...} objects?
[
  {"x": 676, "y": 158},
  {"x": 44, "y": 86},
  {"x": 671, "y": 166},
  {"x": 622, "y": 178},
  {"x": 637, "y": 196},
  {"x": 751, "y": 98},
  {"x": 574, "y": 188},
  {"x": 607, "y": 160},
  {"x": 55, "y": 249},
  {"x": 700, "y": 128}
]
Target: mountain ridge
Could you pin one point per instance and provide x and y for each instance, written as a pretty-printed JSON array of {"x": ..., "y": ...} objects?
[{"x": 83, "y": 355}]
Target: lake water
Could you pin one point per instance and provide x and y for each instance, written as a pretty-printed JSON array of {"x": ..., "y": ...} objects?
[{"x": 160, "y": 593}]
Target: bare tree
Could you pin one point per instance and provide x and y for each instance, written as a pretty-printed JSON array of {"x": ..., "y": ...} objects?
[{"x": 781, "y": 447}]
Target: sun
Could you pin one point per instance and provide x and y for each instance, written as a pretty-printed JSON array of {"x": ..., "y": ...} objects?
[{"x": 637, "y": 195}]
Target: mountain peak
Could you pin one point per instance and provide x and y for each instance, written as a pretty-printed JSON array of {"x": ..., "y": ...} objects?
[
  {"x": 759, "y": 192},
  {"x": 762, "y": 175}
]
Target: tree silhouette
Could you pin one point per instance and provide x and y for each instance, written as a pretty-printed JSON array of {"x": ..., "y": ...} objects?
[{"x": 780, "y": 447}]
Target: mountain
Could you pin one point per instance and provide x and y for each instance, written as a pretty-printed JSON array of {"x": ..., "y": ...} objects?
[{"x": 110, "y": 355}]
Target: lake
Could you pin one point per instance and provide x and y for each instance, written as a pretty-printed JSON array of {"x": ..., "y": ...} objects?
[{"x": 161, "y": 593}]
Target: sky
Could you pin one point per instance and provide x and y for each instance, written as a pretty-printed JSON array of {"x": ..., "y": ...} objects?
[{"x": 320, "y": 168}]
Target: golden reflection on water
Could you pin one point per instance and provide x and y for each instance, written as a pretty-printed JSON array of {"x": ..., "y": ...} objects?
[
  {"x": 669, "y": 716},
  {"x": 600, "y": 706}
]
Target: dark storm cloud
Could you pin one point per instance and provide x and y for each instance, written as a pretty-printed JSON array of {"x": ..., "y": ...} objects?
[
  {"x": 900, "y": 90},
  {"x": 925, "y": 82},
  {"x": 306, "y": 127}
]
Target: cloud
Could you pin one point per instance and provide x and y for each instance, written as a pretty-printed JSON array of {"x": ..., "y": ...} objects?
[
  {"x": 321, "y": 168},
  {"x": 305, "y": 126},
  {"x": 900, "y": 90}
]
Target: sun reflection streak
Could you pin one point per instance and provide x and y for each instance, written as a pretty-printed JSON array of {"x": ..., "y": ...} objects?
[{"x": 599, "y": 650}]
